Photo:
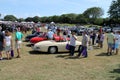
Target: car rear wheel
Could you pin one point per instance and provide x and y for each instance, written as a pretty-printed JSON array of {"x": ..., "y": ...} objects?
[{"x": 52, "y": 50}]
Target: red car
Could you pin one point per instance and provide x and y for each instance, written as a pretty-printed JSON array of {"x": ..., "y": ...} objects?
[
  {"x": 59, "y": 38},
  {"x": 38, "y": 38},
  {"x": 44, "y": 37}
]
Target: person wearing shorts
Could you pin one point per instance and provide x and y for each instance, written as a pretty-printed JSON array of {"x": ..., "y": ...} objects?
[
  {"x": 18, "y": 41},
  {"x": 111, "y": 42}
]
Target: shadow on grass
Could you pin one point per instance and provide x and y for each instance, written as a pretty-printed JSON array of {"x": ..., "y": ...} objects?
[
  {"x": 25, "y": 41},
  {"x": 117, "y": 78},
  {"x": 96, "y": 47},
  {"x": 62, "y": 56},
  {"x": 116, "y": 71},
  {"x": 102, "y": 54},
  {"x": 68, "y": 57},
  {"x": 74, "y": 57},
  {"x": 38, "y": 53}
]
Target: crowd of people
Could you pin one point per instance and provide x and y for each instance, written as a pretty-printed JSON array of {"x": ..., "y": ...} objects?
[
  {"x": 6, "y": 43},
  {"x": 97, "y": 38},
  {"x": 89, "y": 39}
]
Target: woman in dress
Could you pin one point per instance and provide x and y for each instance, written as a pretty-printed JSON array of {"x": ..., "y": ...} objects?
[{"x": 8, "y": 44}]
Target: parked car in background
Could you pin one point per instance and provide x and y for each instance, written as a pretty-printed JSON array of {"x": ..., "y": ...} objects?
[
  {"x": 107, "y": 29},
  {"x": 115, "y": 29},
  {"x": 79, "y": 31},
  {"x": 44, "y": 37},
  {"x": 90, "y": 29},
  {"x": 28, "y": 37}
]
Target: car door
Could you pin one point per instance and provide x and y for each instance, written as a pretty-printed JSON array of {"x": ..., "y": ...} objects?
[{"x": 62, "y": 46}]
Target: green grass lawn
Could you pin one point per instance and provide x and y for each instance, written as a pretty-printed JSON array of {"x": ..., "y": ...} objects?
[{"x": 40, "y": 66}]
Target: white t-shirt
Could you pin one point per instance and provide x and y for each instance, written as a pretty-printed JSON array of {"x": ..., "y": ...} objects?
[
  {"x": 72, "y": 41},
  {"x": 8, "y": 40}
]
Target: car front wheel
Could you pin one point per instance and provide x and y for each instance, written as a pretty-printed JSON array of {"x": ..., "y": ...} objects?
[{"x": 52, "y": 50}]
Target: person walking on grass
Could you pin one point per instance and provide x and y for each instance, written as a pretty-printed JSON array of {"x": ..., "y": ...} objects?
[
  {"x": 83, "y": 47},
  {"x": 73, "y": 39},
  {"x": 8, "y": 44},
  {"x": 2, "y": 43},
  {"x": 18, "y": 41},
  {"x": 93, "y": 37},
  {"x": 117, "y": 42},
  {"x": 102, "y": 36},
  {"x": 111, "y": 42}
]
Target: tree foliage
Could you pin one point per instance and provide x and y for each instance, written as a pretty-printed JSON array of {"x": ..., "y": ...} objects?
[
  {"x": 94, "y": 12},
  {"x": 29, "y": 19},
  {"x": 80, "y": 18},
  {"x": 10, "y": 18},
  {"x": 114, "y": 10},
  {"x": 36, "y": 19},
  {"x": 98, "y": 21},
  {"x": 91, "y": 15},
  {"x": 20, "y": 20}
]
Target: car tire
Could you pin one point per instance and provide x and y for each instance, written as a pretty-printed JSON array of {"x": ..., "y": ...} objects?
[{"x": 52, "y": 50}]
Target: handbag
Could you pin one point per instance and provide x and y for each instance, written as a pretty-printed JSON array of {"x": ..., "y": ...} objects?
[
  {"x": 12, "y": 53},
  {"x": 67, "y": 46}
]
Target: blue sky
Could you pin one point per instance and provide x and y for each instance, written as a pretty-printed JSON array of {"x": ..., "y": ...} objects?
[{"x": 30, "y": 8}]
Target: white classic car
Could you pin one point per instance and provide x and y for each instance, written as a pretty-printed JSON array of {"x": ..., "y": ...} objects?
[{"x": 52, "y": 46}]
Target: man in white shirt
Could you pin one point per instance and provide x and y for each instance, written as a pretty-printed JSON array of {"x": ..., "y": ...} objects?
[{"x": 73, "y": 39}]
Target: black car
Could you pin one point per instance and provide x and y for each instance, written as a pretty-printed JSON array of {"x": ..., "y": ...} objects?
[{"x": 28, "y": 37}]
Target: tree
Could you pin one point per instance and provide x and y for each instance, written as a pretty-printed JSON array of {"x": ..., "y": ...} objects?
[
  {"x": 94, "y": 12},
  {"x": 55, "y": 18},
  {"x": 64, "y": 18},
  {"x": 20, "y": 20},
  {"x": 114, "y": 10},
  {"x": 29, "y": 19},
  {"x": 98, "y": 21},
  {"x": 68, "y": 18},
  {"x": 10, "y": 18},
  {"x": 36, "y": 19},
  {"x": 81, "y": 19},
  {"x": 72, "y": 17}
]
